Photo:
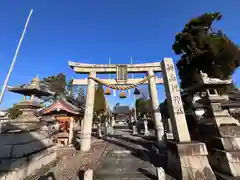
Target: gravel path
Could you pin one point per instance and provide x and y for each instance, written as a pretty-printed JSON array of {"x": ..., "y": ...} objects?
[{"x": 123, "y": 157}]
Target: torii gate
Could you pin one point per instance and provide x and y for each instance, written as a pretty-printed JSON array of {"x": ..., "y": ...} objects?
[
  {"x": 122, "y": 79},
  {"x": 182, "y": 152}
]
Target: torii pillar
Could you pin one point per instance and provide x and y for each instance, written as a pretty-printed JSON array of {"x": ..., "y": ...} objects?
[
  {"x": 88, "y": 115},
  {"x": 157, "y": 117}
]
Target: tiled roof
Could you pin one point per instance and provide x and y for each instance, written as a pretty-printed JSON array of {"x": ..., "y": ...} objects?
[{"x": 63, "y": 105}]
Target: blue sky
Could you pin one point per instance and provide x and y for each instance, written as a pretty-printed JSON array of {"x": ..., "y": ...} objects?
[{"x": 92, "y": 30}]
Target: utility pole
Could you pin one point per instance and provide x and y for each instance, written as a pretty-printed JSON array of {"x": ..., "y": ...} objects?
[{"x": 15, "y": 57}]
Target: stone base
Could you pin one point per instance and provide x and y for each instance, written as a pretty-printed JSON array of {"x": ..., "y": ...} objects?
[
  {"x": 134, "y": 130},
  {"x": 188, "y": 161},
  {"x": 221, "y": 176},
  {"x": 70, "y": 151},
  {"x": 146, "y": 133},
  {"x": 225, "y": 162},
  {"x": 230, "y": 144},
  {"x": 223, "y": 145},
  {"x": 19, "y": 169},
  {"x": 169, "y": 136},
  {"x": 20, "y": 126},
  {"x": 226, "y": 130}
]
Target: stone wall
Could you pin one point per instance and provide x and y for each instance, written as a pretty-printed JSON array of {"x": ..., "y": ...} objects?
[{"x": 23, "y": 153}]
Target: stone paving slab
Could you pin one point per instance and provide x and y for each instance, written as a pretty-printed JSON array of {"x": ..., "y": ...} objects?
[
  {"x": 129, "y": 157},
  {"x": 120, "y": 161}
]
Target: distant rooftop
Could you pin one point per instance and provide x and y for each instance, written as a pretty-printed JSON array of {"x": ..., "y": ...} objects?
[{"x": 121, "y": 110}]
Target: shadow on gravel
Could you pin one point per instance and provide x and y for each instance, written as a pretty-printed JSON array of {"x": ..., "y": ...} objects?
[{"x": 48, "y": 176}]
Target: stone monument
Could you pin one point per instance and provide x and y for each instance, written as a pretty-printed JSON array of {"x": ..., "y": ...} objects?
[
  {"x": 187, "y": 160},
  {"x": 28, "y": 120},
  {"x": 25, "y": 148},
  {"x": 217, "y": 128}
]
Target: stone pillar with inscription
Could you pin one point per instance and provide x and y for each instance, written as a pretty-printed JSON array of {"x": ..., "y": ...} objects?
[
  {"x": 88, "y": 116},
  {"x": 187, "y": 160},
  {"x": 155, "y": 106},
  {"x": 71, "y": 133}
]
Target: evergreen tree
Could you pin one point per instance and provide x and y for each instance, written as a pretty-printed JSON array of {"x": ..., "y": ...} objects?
[
  {"x": 55, "y": 84},
  {"x": 143, "y": 105},
  {"x": 203, "y": 49},
  {"x": 69, "y": 88},
  {"x": 99, "y": 101},
  {"x": 81, "y": 95},
  {"x": 72, "y": 90}
]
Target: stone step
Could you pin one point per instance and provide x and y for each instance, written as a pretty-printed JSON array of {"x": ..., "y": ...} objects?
[
  {"x": 122, "y": 167},
  {"x": 221, "y": 176},
  {"x": 121, "y": 176},
  {"x": 124, "y": 163}
]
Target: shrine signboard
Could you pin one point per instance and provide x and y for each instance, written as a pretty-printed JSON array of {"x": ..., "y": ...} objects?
[{"x": 122, "y": 73}]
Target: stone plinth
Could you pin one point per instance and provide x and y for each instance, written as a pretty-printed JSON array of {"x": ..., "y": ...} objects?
[
  {"x": 23, "y": 153},
  {"x": 188, "y": 161},
  {"x": 27, "y": 121},
  {"x": 221, "y": 133},
  {"x": 224, "y": 149},
  {"x": 19, "y": 169},
  {"x": 227, "y": 162},
  {"x": 16, "y": 125},
  {"x": 29, "y": 110},
  {"x": 17, "y": 145}
]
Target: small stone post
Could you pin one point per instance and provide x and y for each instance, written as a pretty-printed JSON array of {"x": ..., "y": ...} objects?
[
  {"x": 155, "y": 106},
  {"x": 105, "y": 129},
  {"x": 70, "y": 136},
  {"x": 88, "y": 116},
  {"x": 113, "y": 122},
  {"x": 99, "y": 130},
  {"x": 88, "y": 175},
  {"x": 160, "y": 173},
  {"x": 146, "y": 132}
]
